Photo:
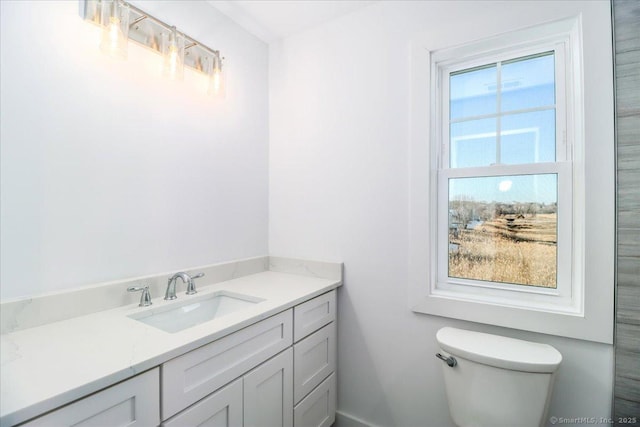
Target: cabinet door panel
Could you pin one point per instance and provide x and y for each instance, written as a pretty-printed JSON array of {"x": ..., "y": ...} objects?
[
  {"x": 134, "y": 402},
  {"x": 314, "y": 359},
  {"x": 192, "y": 376},
  {"x": 314, "y": 314},
  {"x": 220, "y": 409},
  {"x": 268, "y": 393},
  {"x": 318, "y": 409}
]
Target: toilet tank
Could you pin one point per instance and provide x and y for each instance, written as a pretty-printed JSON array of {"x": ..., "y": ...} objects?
[{"x": 497, "y": 381}]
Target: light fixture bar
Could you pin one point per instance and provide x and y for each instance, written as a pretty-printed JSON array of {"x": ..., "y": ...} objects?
[
  {"x": 138, "y": 19},
  {"x": 147, "y": 31}
]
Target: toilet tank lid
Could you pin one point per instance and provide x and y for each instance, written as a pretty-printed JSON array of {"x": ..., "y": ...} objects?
[{"x": 501, "y": 352}]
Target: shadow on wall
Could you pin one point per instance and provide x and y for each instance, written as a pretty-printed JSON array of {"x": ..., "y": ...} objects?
[
  {"x": 352, "y": 341},
  {"x": 380, "y": 402}
]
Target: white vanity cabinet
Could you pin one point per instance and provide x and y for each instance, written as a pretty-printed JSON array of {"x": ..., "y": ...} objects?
[
  {"x": 272, "y": 379},
  {"x": 134, "y": 402}
]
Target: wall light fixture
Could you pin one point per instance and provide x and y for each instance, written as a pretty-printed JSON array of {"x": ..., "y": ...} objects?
[{"x": 122, "y": 21}]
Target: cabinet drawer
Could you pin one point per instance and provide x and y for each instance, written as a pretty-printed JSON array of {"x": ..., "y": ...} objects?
[
  {"x": 220, "y": 409},
  {"x": 314, "y": 314},
  {"x": 190, "y": 377},
  {"x": 314, "y": 358},
  {"x": 134, "y": 402},
  {"x": 318, "y": 409}
]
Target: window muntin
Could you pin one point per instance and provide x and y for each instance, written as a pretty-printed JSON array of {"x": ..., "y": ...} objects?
[{"x": 504, "y": 121}]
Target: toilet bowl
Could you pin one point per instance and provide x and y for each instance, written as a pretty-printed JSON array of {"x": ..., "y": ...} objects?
[{"x": 496, "y": 381}]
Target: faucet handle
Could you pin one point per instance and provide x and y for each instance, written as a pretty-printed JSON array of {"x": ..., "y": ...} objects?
[
  {"x": 191, "y": 286},
  {"x": 145, "y": 297}
]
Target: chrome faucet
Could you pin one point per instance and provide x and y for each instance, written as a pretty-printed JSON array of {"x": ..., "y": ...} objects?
[{"x": 171, "y": 286}]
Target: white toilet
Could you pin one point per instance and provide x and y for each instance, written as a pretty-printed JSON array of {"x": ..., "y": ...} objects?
[{"x": 496, "y": 381}]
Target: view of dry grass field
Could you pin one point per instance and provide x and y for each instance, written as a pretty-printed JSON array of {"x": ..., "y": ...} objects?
[{"x": 512, "y": 248}]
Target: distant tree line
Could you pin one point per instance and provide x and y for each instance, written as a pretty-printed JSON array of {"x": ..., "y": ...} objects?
[{"x": 463, "y": 209}]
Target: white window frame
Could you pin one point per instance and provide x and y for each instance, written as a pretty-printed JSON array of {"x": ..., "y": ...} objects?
[
  {"x": 566, "y": 297},
  {"x": 593, "y": 237}
]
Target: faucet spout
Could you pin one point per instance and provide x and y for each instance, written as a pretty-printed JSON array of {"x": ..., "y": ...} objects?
[
  {"x": 191, "y": 284},
  {"x": 171, "y": 286}
]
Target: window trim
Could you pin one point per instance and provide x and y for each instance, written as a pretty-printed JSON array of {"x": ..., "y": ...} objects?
[{"x": 595, "y": 249}]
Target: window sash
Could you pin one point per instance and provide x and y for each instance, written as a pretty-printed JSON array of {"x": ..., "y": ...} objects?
[
  {"x": 446, "y": 68},
  {"x": 479, "y": 289}
]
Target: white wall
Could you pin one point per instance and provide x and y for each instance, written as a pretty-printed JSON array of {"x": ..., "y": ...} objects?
[
  {"x": 109, "y": 171},
  {"x": 339, "y": 190}
]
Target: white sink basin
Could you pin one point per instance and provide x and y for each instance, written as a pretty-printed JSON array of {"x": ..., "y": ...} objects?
[{"x": 195, "y": 311}]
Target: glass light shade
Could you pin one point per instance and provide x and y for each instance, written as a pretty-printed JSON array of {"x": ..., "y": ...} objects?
[
  {"x": 217, "y": 78},
  {"x": 173, "y": 54},
  {"x": 115, "y": 31}
]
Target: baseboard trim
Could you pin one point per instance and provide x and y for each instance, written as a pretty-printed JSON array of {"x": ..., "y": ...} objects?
[{"x": 347, "y": 420}]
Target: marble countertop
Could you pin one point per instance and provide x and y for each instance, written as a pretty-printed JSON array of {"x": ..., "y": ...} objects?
[{"x": 51, "y": 365}]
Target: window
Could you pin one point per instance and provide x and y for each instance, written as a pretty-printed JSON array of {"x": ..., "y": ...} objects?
[
  {"x": 504, "y": 192},
  {"x": 511, "y": 189}
]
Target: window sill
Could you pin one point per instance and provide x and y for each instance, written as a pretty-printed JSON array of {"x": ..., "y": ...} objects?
[
  {"x": 520, "y": 300},
  {"x": 529, "y": 319}
]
